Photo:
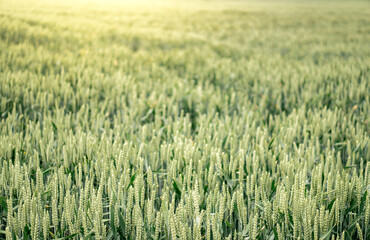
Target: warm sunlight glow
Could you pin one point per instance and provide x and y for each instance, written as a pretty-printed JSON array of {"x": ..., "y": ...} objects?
[{"x": 177, "y": 119}]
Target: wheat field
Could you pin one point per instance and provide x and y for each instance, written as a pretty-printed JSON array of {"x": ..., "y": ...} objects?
[{"x": 184, "y": 120}]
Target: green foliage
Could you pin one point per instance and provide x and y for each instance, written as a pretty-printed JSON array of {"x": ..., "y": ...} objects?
[{"x": 188, "y": 120}]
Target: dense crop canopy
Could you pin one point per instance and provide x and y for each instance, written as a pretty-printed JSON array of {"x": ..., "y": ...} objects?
[{"x": 207, "y": 120}]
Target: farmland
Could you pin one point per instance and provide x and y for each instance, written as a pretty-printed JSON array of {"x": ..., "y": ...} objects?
[{"x": 184, "y": 120}]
